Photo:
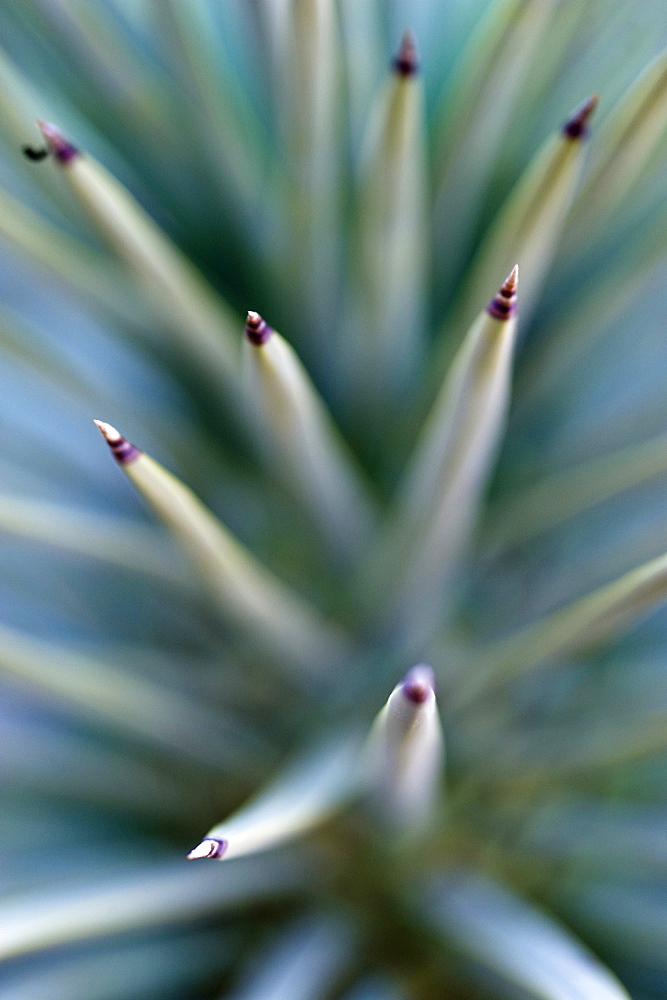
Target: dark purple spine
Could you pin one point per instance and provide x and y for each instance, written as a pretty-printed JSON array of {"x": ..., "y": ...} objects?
[
  {"x": 257, "y": 330},
  {"x": 61, "y": 150},
  {"x": 576, "y": 127},
  {"x": 405, "y": 63}
]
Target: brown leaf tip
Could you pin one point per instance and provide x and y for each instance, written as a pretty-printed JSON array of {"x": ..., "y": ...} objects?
[
  {"x": 62, "y": 150},
  {"x": 419, "y": 684},
  {"x": 576, "y": 127},
  {"x": 257, "y": 330},
  {"x": 504, "y": 304},
  {"x": 405, "y": 62},
  {"x": 209, "y": 848},
  {"x": 122, "y": 450}
]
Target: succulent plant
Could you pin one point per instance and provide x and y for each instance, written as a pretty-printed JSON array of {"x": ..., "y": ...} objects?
[{"x": 444, "y": 478}]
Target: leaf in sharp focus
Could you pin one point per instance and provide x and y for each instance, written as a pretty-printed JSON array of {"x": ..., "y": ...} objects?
[
  {"x": 523, "y": 946},
  {"x": 247, "y": 594},
  {"x": 444, "y": 483},
  {"x": 201, "y": 322},
  {"x": 169, "y": 893},
  {"x": 303, "y": 963},
  {"x": 595, "y": 618},
  {"x": 303, "y": 796},
  {"x": 529, "y": 223},
  {"x": 298, "y": 436}
]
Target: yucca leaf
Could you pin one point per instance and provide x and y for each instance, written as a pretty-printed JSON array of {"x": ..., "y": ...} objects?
[
  {"x": 592, "y": 619},
  {"x": 301, "y": 441},
  {"x": 245, "y": 592},
  {"x": 442, "y": 487},
  {"x": 522, "y": 947},
  {"x": 167, "y": 966},
  {"x": 122, "y": 700},
  {"x": 387, "y": 335},
  {"x": 116, "y": 541},
  {"x": 630, "y": 135},
  {"x": 166, "y": 893},
  {"x": 179, "y": 295},
  {"x": 303, "y": 796},
  {"x": 566, "y": 494},
  {"x": 405, "y": 752},
  {"x": 302, "y": 964},
  {"x": 529, "y": 223},
  {"x": 474, "y": 117}
]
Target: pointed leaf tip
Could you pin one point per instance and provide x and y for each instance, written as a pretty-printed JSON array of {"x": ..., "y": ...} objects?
[
  {"x": 209, "y": 848},
  {"x": 123, "y": 451},
  {"x": 257, "y": 330},
  {"x": 504, "y": 304},
  {"x": 576, "y": 127},
  {"x": 419, "y": 684},
  {"x": 62, "y": 150},
  {"x": 405, "y": 63}
]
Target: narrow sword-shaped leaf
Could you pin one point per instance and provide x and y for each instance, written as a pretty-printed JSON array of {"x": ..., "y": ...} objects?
[
  {"x": 188, "y": 306},
  {"x": 229, "y": 128},
  {"x": 528, "y": 949},
  {"x": 302, "y": 964},
  {"x": 79, "y": 266},
  {"x": 43, "y": 762},
  {"x": 472, "y": 122},
  {"x": 566, "y": 494},
  {"x": 443, "y": 486},
  {"x": 308, "y": 90},
  {"x": 125, "y": 701},
  {"x": 301, "y": 798},
  {"x": 145, "y": 968},
  {"x": 247, "y": 594},
  {"x": 626, "y": 141},
  {"x": 580, "y": 321},
  {"x": 116, "y": 541},
  {"x": 405, "y": 752},
  {"x": 595, "y": 618},
  {"x": 528, "y": 225},
  {"x": 301, "y": 440},
  {"x": 392, "y": 237},
  {"x": 166, "y": 894}
]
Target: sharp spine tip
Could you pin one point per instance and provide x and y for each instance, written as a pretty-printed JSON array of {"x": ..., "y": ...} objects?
[
  {"x": 209, "y": 848},
  {"x": 405, "y": 63},
  {"x": 504, "y": 304},
  {"x": 257, "y": 330},
  {"x": 419, "y": 684},
  {"x": 123, "y": 451},
  {"x": 576, "y": 127},
  {"x": 62, "y": 150}
]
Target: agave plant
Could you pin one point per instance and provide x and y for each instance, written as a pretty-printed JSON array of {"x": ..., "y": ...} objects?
[{"x": 444, "y": 477}]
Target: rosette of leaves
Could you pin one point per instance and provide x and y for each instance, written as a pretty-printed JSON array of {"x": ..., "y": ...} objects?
[{"x": 438, "y": 461}]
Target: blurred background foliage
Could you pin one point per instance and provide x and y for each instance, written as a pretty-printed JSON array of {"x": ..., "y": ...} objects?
[{"x": 131, "y": 718}]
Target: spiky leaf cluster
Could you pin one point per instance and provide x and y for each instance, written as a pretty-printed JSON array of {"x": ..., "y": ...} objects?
[{"x": 437, "y": 460}]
